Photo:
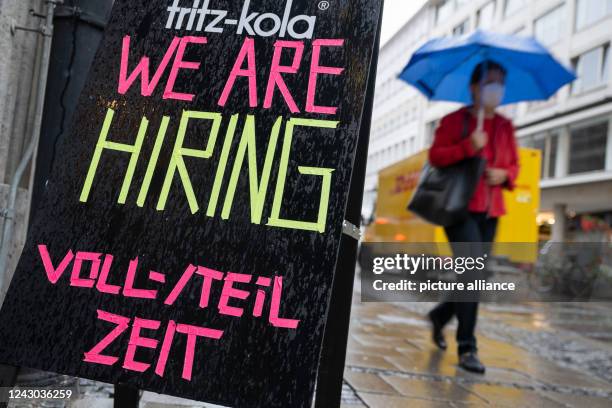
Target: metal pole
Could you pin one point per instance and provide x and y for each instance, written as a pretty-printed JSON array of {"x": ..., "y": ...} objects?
[
  {"x": 7, "y": 230},
  {"x": 8, "y": 376},
  {"x": 77, "y": 33},
  {"x": 333, "y": 354},
  {"x": 126, "y": 396}
]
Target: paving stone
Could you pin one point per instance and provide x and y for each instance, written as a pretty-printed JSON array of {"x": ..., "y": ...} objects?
[
  {"x": 431, "y": 362},
  {"x": 551, "y": 373},
  {"x": 364, "y": 360},
  {"x": 387, "y": 401},
  {"x": 154, "y": 400},
  {"x": 497, "y": 375},
  {"x": 431, "y": 389},
  {"x": 368, "y": 339},
  {"x": 511, "y": 397},
  {"x": 91, "y": 402},
  {"x": 349, "y": 397},
  {"x": 381, "y": 350},
  {"x": 575, "y": 401},
  {"x": 367, "y": 382}
]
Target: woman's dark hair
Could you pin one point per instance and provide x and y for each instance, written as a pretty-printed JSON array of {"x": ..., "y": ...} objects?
[{"x": 483, "y": 67}]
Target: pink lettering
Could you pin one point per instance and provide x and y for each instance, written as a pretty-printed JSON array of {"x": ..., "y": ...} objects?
[
  {"x": 75, "y": 279},
  {"x": 94, "y": 355},
  {"x": 261, "y": 295},
  {"x": 178, "y": 288},
  {"x": 180, "y": 64},
  {"x": 160, "y": 367},
  {"x": 101, "y": 285},
  {"x": 315, "y": 70},
  {"x": 142, "y": 69},
  {"x": 230, "y": 292},
  {"x": 137, "y": 341},
  {"x": 274, "y": 308},
  {"x": 53, "y": 274},
  {"x": 209, "y": 275},
  {"x": 130, "y": 291},
  {"x": 276, "y": 78},
  {"x": 246, "y": 52},
  {"x": 193, "y": 332}
]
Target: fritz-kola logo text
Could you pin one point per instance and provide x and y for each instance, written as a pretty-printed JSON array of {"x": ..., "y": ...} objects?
[{"x": 199, "y": 17}]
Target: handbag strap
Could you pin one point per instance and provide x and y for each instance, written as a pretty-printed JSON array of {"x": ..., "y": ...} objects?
[{"x": 466, "y": 124}]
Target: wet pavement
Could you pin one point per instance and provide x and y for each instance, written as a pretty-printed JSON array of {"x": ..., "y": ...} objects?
[{"x": 537, "y": 355}]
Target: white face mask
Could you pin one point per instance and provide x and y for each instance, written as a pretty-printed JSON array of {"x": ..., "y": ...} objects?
[{"x": 492, "y": 94}]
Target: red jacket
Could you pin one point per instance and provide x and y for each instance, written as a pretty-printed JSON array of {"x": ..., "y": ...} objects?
[{"x": 500, "y": 152}]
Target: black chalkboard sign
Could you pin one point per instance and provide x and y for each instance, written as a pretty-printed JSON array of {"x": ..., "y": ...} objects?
[{"x": 189, "y": 233}]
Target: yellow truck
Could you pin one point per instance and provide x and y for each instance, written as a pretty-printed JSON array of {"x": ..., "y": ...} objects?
[{"x": 392, "y": 222}]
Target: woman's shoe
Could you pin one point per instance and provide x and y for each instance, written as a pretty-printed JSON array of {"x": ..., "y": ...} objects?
[
  {"x": 470, "y": 362},
  {"x": 436, "y": 333}
]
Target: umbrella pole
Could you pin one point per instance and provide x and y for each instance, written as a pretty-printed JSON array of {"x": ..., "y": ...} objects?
[
  {"x": 481, "y": 117},
  {"x": 481, "y": 110}
]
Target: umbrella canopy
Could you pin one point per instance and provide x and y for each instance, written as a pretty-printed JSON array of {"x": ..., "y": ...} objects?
[{"x": 441, "y": 69}]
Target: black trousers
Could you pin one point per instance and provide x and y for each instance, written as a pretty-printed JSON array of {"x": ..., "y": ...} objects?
[{"x": 479, "y": 229}]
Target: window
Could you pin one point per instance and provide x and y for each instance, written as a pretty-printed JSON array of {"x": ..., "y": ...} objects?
[
  {"x": 444, "y": 10},
  {"x": 539, "y": 142},
  {"x": 486, "y": 15},
  {"x": 549, "y": 27},
  {"x": 590, "y": 11},
  {"x": 553, "y": 145},
  {"x": 462, "y": 28},
  {"x": 592, "y": 69},
  {"x": 588, "y": 148},
  {"x": 512, "y": 6}
]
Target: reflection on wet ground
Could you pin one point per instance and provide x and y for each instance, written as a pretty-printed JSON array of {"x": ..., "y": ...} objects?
[{"x": 537, "y": 355}]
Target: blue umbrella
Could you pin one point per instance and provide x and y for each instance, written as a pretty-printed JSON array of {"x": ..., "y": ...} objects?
[{"x": 441, "y": 69}]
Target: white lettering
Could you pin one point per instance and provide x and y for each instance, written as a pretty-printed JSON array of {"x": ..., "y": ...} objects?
[{"x": 200, "y": 17}]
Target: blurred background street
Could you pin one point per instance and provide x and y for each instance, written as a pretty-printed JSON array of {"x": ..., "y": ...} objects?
[{"x": 571, "y": 129}]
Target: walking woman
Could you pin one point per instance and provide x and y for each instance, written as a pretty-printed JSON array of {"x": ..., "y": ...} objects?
[{"x": 458, "y": 137}]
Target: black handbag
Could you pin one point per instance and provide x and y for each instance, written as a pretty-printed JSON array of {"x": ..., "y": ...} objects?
[{"x": 443, "y": 193}]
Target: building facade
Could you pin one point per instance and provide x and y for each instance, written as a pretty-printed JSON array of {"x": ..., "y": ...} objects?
[
  {"x": 573, "y": 129},
  {"x": 20, "y": 52}
]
